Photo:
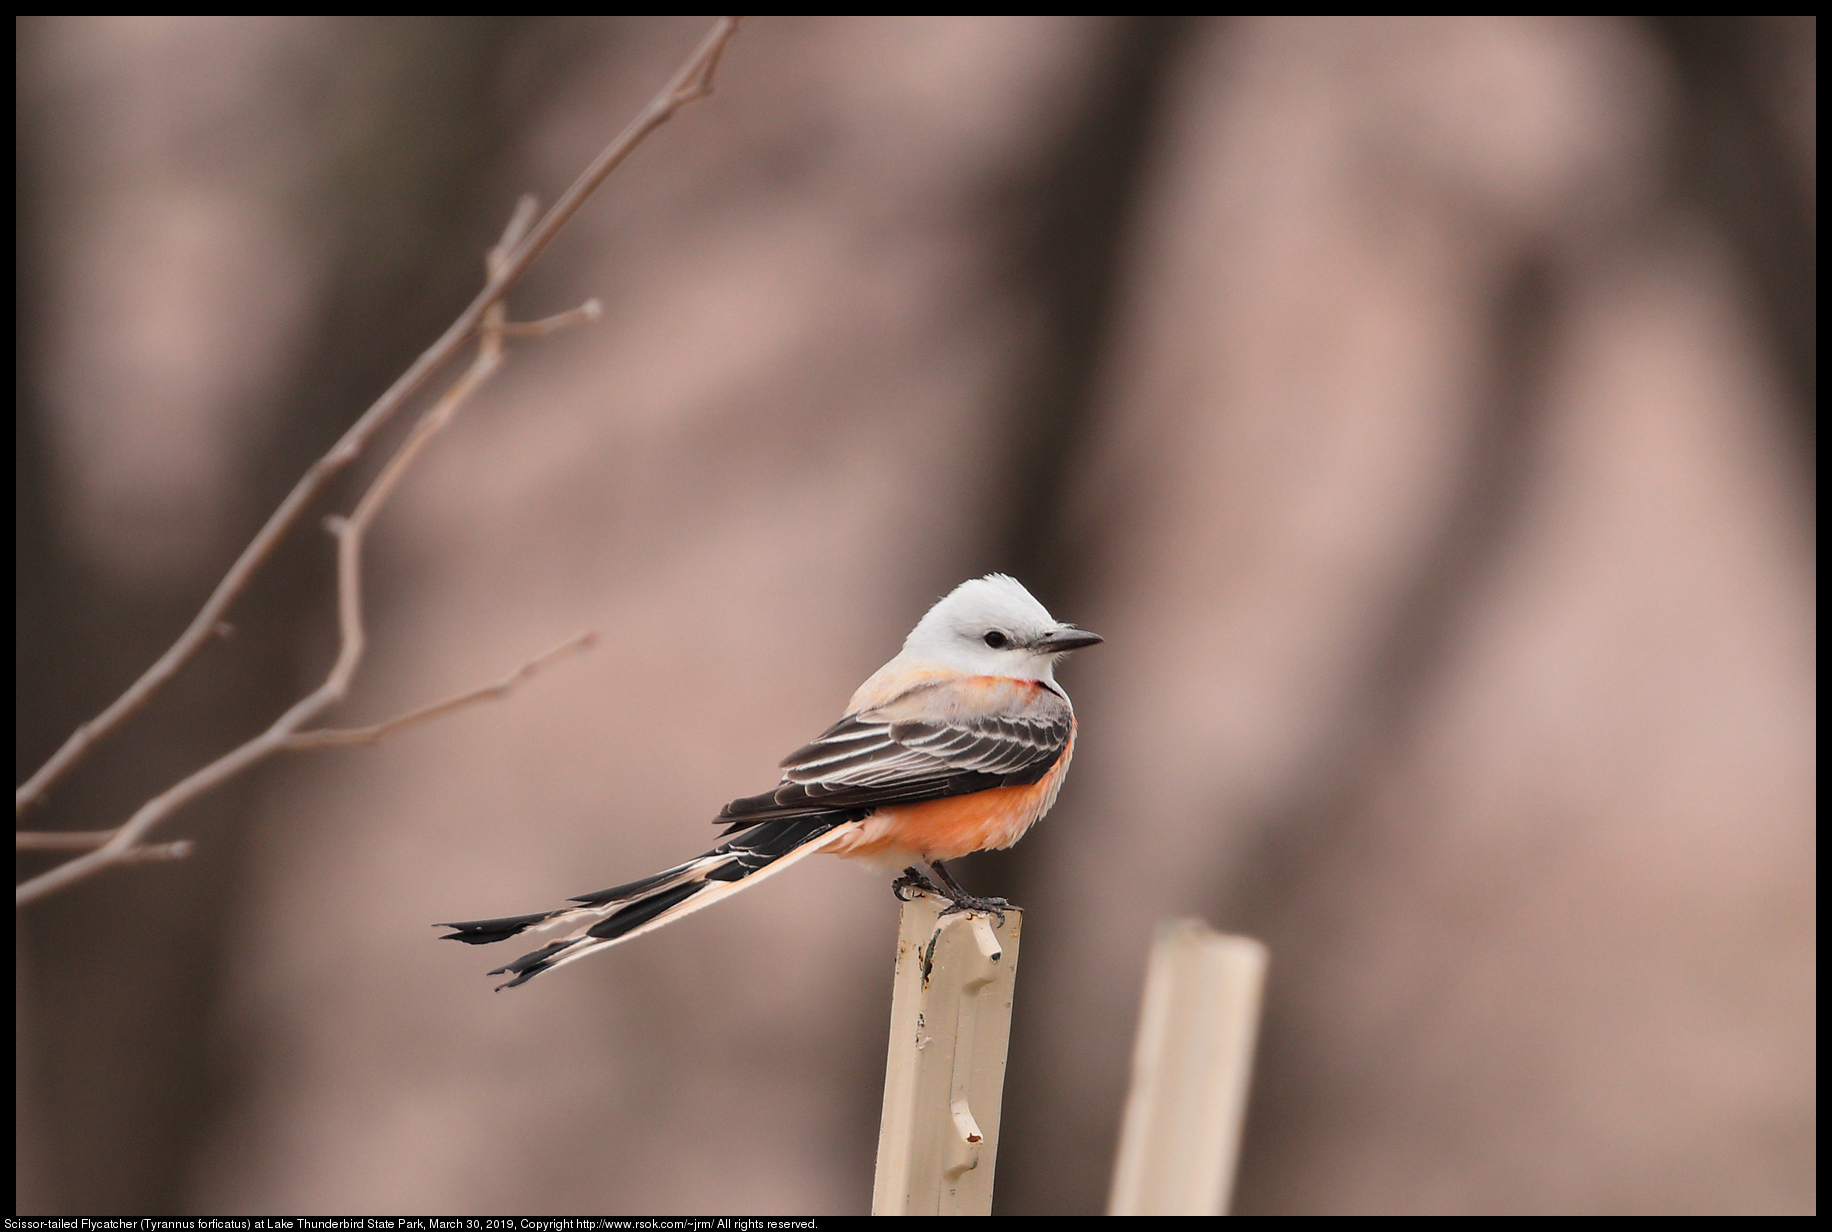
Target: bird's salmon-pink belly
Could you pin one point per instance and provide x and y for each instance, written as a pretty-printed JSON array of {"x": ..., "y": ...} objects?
[
  {"x": 945, "y": 829},
  {"x": 958, "y": 825}
]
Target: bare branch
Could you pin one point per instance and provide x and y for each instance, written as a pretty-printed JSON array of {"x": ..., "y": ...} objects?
[
  {"x": 590, "y": 310},
  {"x": 158, "y": 853},
  {"x": 88, "y": 840},
  {"x": 692, "y": 82},
  {"x": 510, "y": 260},
  {"x": 62, "y": 840},
  {"x": 84, "y": 840},
  {"x": 350, "y": 532},
  {"x": 329, "y": 736},
  {"x": 526, "y": 207},
  {"x": 484, "y": 320}
]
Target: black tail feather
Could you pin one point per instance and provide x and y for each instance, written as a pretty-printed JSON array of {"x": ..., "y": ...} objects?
[
  {"x": 637, "y": 903},
  {"x": 484, "y": 932},
  {"x": 755, "y": 811},
  {"x": 643, "y": 910},
  {"x": 631, "y": 889},
  {"x": 538, "y": 958},
  {"x": 528, "y": 966}
]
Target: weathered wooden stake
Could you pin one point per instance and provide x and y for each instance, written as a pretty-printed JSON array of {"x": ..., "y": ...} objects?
[
  {"x": 1190, "y": 1069},
  {"x": 938, "y": 1140}
]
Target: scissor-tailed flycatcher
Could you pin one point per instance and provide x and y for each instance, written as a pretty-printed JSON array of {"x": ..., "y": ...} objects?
[{"x": 958, "y": 744}]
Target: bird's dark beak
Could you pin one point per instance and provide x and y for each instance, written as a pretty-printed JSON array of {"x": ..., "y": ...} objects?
[{"x": 1061, "y": 641}]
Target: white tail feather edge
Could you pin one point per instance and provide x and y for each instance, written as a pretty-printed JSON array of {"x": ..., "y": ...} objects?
[{"x": 585, "y": 918}]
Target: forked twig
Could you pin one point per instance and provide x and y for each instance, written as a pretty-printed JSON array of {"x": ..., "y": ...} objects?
[
  {"x": 485, "y": 320},
  {"x": 325, "y": 737},
  {"x": 85, "y": 840},
  {"x": 692, "y": 81}
]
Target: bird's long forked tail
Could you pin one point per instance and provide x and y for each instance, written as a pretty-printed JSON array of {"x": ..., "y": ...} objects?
[{"x": 615, "y": 915}]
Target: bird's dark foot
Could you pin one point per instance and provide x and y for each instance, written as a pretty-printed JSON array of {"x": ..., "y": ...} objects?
[
  {"x": 960, "y": 900},
  {"x": 985, "y": 906},
  {"x": 913, "y": 879}
]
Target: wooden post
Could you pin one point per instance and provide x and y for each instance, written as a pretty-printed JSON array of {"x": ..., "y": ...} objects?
[
  {"x": 1190, "y": 1069},
  {"x": 938, "y": 1140}
]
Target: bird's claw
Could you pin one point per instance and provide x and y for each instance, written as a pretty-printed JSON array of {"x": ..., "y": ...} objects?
[
  {"x": 913, "y": 879},
  {"x": 957, "y": 895},
  {"x": 985, "y": 906}
]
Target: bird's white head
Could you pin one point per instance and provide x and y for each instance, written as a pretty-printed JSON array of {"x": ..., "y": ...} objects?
[{"x": 992, "y": 626}]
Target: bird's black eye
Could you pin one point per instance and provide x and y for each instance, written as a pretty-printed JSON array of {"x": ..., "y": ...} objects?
[{"x": 997, "y": 640}]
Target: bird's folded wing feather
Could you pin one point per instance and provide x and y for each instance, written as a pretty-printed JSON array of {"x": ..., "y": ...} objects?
[{"x": 940, "y": 738}]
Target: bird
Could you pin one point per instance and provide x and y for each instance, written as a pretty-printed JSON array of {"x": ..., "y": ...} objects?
[{"x": 958, "y": 744}]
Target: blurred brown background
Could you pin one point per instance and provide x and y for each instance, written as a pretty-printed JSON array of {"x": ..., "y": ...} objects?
[{"x": 1424, "y": 410}]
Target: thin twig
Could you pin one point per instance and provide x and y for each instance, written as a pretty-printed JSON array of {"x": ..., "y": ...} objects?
[
  {"x": 590, "y": 310},
  {"x": 83, "y": 840},
  {"x": 87, "y": 840},
  {"x": 693, "y": 81},
  {"x": 157, "y": 853},
  {"x": 350, "y": 534},
  {"x": 62, "y": 840},
  {"x": 326, "y": 737},
  {"x": 485, "y": 320}
]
